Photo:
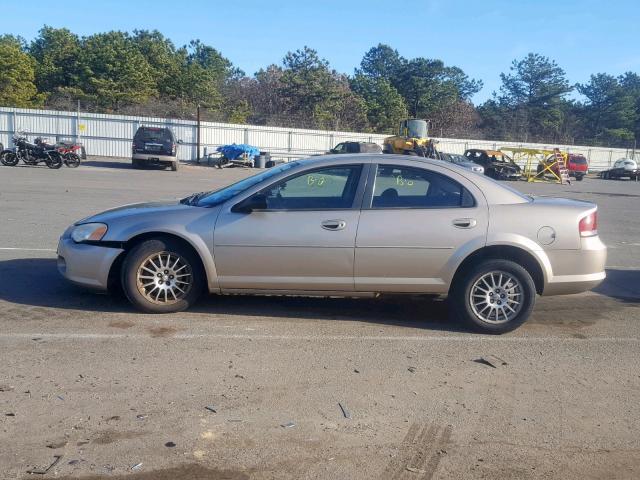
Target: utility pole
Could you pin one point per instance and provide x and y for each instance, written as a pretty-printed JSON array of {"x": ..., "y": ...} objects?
[
  {"x": 198, "y": 134},
  {"x": 78, "y": 124}
]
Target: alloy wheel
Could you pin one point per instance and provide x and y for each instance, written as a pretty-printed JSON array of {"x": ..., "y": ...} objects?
[
  {"x": 164, "y": 278},
  {"x": 496, "y": 297}
]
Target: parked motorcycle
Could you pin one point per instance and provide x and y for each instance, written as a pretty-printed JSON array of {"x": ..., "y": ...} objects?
[
  {"x": 31, "y": 153},
  {"x": 70, "y": 153},
  {"x": 8, "y": 156}
]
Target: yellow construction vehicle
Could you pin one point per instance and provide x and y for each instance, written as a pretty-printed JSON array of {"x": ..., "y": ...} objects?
[{"x": 412, "y": 139}]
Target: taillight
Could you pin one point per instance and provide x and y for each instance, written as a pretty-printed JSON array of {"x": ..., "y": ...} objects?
[{"x": 588, "y": 226}]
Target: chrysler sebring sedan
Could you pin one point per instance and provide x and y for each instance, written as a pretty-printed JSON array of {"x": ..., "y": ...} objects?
[{"x": 346, "y": 225}]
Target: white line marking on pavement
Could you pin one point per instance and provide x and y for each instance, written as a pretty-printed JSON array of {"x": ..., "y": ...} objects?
[
  {"x": 423, "y": 338},
  {"x": 29, "y": 249}
]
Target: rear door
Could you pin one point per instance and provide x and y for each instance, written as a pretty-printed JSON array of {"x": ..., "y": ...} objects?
[{"x": 414, "y": 221}]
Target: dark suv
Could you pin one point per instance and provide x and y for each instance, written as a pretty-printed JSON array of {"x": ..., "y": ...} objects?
[{"x": 154, "y": 146}]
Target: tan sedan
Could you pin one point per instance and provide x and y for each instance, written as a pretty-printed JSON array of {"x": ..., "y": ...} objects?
[{"x": 349, "y": 225}]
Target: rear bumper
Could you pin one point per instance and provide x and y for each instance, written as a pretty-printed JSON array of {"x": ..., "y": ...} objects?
[
  {"x": 576, "y": 271},
  {"x": 154, "y": 157},
  {"x": 86, "y": 265}
]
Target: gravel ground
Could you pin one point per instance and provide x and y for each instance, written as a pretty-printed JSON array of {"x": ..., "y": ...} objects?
[{"x": 119, "y": 394}]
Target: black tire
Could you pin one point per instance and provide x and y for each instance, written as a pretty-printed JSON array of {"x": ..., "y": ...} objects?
[
  {"x": 10, "y": 159},
  {"x": 54, "y": 161},
  {"x": 174, "y": 166},
  {"x": 139, "y": 254},
  {"x": 579, "y": 178},
  {"x": 460, "y": 296},
  {"x": 136, "y": 163},
  {"x": 71, "y": 160},
  {"x": 605, "y": 175}
]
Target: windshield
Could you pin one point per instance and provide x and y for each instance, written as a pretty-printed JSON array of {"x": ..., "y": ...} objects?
[
  {"x": 216, "y": 197},
  {"x": 417, "y": 128}
]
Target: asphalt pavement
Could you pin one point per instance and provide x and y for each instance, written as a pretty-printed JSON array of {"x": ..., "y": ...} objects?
[{"x": 286, "y": 387}]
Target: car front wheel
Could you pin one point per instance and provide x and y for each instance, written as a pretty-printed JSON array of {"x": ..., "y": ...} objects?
[
  {"x": 161, "y": 275},
  {"x": 494, "y": 296}
]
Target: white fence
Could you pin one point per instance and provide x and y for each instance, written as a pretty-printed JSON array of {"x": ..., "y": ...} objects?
[{"x": 111, "y": 135}]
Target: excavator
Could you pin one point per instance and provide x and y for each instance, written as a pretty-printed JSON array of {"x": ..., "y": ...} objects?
[{"x": 412, "y": 139}]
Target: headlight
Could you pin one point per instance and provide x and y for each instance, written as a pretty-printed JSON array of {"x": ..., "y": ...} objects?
[{"x": 89, "y": 232}]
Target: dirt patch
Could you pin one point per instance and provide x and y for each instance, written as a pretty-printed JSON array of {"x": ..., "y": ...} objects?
[
  {"x": 184, "y": 472},
  {"x": 121, "y": 324},
  {"x": 162, "y": 331},
  {"x": 111, "y": 436}
]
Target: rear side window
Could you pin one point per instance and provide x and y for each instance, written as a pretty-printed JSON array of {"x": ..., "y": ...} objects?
[
  {"x": 406, "y": 187},
  {"x": 579, "y": 160}
]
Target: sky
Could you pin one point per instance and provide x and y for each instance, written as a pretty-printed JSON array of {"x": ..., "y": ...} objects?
[{"x": 481, "y": 37}]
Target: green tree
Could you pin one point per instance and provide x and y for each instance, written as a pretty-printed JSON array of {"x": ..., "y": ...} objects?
[
  {"x": 115, "y": 73},
  {"x": 162, "y": 57},
  {"x": 17, "y": 75},
  {"x": 609, "y": 112},
  {"x": 57, "y": 55},
  {"x": 381, "y": 61},
  {"x": 533, "y": 95},
  {"x": 317, "y": 94},
  {"x": 428, "y": 87},
  {"x": 385, "y": 106},
  {"x": 630, "y": 83}
]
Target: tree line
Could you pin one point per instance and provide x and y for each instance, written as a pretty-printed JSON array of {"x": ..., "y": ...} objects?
[{"x": 144, "y": 73}]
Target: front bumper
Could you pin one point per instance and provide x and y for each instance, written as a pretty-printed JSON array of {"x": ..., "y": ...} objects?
[
  {"x": 86, "y": 265},
  {"x": 576, "y": 271}
]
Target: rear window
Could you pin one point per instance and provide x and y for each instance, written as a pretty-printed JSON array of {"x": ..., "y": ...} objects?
[
  {"x": 154, "y": 135},
  {"x": 579, "y": 160}
]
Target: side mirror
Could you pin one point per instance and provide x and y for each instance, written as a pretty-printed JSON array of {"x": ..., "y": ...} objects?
[
  {"x": 257, "y": 201},
  {"x": 180, "y": 142}
]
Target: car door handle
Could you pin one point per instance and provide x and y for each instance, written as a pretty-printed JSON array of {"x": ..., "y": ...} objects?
[
  {"x": 465, "y": 222},
  {"x": 333, "y": 224}
]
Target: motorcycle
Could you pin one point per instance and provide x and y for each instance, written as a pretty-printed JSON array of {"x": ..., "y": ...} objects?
[
  {"x": 8, "y": 156},
  {"x": 69, "y": 152},
  {"x": 31, "y": 153}
]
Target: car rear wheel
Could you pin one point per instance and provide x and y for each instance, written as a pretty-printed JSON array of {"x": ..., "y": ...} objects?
[
  {"x": 162, "y": 276},
  {"x": 174, "y": 166},
  {"x": 579, "y": 177},
  {"x": 494, "y": 296}
]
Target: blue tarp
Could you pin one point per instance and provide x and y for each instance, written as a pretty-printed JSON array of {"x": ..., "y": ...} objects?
[{"x": 234, "y": 151}]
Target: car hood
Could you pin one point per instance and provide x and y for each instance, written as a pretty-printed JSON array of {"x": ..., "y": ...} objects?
[{"x": 135, "y": 209}]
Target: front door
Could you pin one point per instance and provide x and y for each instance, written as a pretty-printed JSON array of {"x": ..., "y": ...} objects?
[
  {"x": 303, "y": 240},
  {"x": 416, "y": 218}
]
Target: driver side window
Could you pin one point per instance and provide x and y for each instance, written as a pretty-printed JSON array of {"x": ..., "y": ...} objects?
[{"x": 322, "y": 189}]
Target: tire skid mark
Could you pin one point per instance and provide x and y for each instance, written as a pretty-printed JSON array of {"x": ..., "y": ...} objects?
[{"x": 420, "y": 451}]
